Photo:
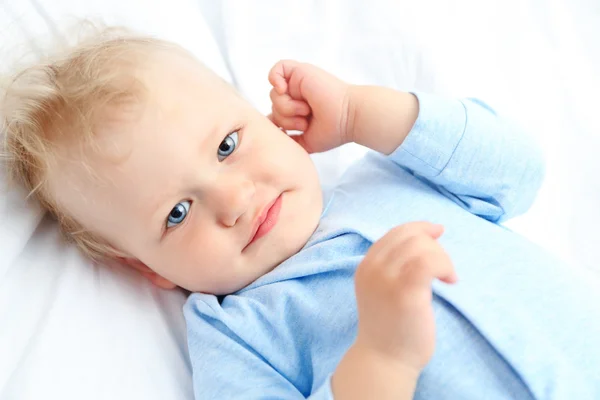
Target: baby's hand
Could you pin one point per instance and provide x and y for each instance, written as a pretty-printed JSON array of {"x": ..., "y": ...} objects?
[
  {"x": 393, "y": 290},
  {"x": 306, "y": 98}
]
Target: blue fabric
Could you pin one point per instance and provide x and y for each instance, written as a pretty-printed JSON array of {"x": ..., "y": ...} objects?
[{"x": 518, "y": 325}]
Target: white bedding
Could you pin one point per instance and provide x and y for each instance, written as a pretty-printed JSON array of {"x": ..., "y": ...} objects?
[{"x": 71, "y": 330}]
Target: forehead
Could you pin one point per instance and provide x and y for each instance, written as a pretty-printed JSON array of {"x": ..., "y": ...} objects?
[{"x": 174, "y": 78}]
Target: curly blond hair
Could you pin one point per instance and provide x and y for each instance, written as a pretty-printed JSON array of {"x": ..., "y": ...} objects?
[{"x": 61, "y": 98}]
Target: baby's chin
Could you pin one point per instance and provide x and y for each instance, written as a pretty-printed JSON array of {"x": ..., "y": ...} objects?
[{"x": 274, "y": 257}]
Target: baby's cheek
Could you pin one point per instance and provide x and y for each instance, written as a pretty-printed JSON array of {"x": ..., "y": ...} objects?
[
  {"x": 289, "y": 153},
  {"x": 203, "y": 250}
]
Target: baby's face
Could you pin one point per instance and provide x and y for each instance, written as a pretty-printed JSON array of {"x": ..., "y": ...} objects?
[{"x": 211, "y": 195}]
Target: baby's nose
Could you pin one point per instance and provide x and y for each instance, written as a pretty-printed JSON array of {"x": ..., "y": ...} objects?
[{"x": 232, "y": 200}]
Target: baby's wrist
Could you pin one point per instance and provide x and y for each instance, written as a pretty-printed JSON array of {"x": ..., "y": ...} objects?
[
  {"x": 387, "y": 359},
  {"x": 364, "y": 373},
  {"x": 356, "y": 98},
  {"x": 379, "y": 118}
]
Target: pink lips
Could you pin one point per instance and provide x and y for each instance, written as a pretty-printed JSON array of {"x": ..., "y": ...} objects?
[{"x": 266, "y": 220}]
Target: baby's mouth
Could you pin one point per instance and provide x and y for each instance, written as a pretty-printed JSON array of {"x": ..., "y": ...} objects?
[{"x": 265, "y": 221}]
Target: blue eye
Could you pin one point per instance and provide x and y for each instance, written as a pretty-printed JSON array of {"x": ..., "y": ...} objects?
[
  {"x": 178, "y": 214},
  {"x": 227, "y": 146}
]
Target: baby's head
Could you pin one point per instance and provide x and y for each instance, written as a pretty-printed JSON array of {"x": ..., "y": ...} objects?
[{"x": 146, "y": 156}]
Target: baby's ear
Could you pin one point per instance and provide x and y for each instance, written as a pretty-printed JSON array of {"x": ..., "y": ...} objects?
[{"x": 152, "y": 276}]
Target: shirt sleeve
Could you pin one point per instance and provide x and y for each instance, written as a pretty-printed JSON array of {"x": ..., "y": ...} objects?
[
  {"x": 481, "y": 161},
  {"x": 226, "y": 367}
]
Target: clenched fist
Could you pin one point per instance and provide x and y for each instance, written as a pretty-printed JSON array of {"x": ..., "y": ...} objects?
[{"x": 306, "y": 98}]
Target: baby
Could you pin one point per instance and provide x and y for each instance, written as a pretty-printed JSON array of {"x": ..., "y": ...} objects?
[{"x": 147, "y": 157}]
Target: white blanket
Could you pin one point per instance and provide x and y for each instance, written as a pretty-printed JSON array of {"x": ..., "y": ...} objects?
[{"x": 71, "y": 330}]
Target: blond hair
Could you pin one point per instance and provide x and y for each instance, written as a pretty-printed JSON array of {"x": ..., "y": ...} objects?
[{"x": 60, "y": 99}]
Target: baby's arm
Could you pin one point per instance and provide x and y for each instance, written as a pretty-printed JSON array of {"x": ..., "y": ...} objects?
[
  {"x": 396, "y": 333},
  {"x": 480, "y": 160}
]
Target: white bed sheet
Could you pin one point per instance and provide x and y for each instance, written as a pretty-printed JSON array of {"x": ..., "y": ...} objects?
[{"x": 70, "y": 330}]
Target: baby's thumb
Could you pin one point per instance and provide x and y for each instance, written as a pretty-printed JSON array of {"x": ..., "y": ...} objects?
[
  {"x": 301, "y": 140},
  {"x": 443, "y": 268},
  {"x": 450, "y": 278}
]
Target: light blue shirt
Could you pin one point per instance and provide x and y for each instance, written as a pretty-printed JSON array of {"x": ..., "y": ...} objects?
[{"x": 519, "y": 324}]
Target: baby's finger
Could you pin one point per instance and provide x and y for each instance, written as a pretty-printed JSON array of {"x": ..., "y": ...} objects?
[
  {"x": 403, "y": 232},
  {"x": 301, "y": 140},
  {"x": 441, "y": 267},
  {"x": 421, "y": 269},
  {"x": 414, "y": 228},
  {"x": 280, "y": 74},
  {"x": 403, "y": 244},
  {"x": 287, "y": 106},
  {"x": 289, "y": 123},
  {"x": 273, "y": 119},
  {"x": 449, "y": 277}
]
